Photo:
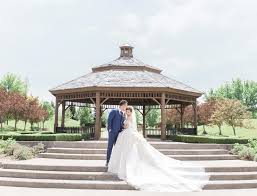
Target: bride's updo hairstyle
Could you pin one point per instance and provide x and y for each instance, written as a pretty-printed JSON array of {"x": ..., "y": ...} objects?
[{"x": 130, "y": 108}]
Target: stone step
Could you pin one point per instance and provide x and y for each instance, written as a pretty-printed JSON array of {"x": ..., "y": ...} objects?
[
  {"x": 164, "y": 151},
  {"x": 111, "y": 185},
  {"x": 102, "y": 168},
  {"x": 71, "y": 175},
  {"x": 231, "y": 184},
  {"x": 43, "y": 167},
  {"x": 232, "y": 176},
  {"x": 103, "y": 156},
  {"x": 161, "y": 145},
  {"x": 66, "y": 184},
  {"x": 63, "y": 175}
]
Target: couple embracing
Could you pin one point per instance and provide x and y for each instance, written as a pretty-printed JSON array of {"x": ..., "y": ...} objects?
[{"x": 135, "y": 161}]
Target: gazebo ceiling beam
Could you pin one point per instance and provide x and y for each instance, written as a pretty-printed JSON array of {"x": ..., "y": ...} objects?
[
  {"x": 104, "y": 101},
  {"x": 156, "y": 101}
]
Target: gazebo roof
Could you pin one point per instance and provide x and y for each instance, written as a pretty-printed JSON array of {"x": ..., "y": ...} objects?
[{"x": 125, "y": 72}]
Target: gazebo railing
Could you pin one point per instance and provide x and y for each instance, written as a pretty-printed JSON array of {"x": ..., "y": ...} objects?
[
  {"x": 154, "y": 132},
  {"x": 88, "y": 129}
]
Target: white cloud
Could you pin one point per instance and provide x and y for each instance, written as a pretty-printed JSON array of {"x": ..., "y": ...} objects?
[{"x": 200, "y": 42}]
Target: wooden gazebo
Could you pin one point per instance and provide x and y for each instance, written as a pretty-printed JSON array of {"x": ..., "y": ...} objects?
[{"x": 125, "y": 78}]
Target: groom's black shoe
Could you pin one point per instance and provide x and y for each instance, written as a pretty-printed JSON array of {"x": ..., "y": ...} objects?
[{"x": 106, "y": 164}]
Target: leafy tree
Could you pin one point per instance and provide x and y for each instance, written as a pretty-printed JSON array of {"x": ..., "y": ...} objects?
[
  {"x": 48, "y": 112},
  {"x": 217, "y": 117},
  {"x": 205, "y": 111},
  {"x": 153, "y": 118},
  {"x": 12, "y": 83},
  {"x": 244, "y": 91},
  {"x": 173, "y": 118},
  {"x": 104, "y": 119},
  {"x": 73, "y": 112},
  {"x": 85, "y": 116},
  {"x": 37, "y": 114},
  {"x": 29, "y": 106},
  {"x": 233, "y": 112},
  {"x": 139, "y": 117},
  {"x": 16, "y": 107},
  {"x": 4, "y": 107}
]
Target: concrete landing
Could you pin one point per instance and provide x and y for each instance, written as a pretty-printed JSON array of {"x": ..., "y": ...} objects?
[{"x": 14, "y": 191}]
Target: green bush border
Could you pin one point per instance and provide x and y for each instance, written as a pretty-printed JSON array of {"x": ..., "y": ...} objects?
[
  {"x": 46, "y": 137},
  {"x": 202, "y": 139}
]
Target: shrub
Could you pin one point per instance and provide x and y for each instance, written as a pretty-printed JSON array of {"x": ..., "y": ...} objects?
[
  {"x": 247, "y": 153},
  {"x": 237, "y": 148},
  {"x": 39, "y": 148},
  {"x": 201, "y": 139},
  {"x": 23, "y": 153},
  {"x": 255, "y": 157},
  {"x": 252, "y": 143},
  {"x": 28, "y": 132},
  {"x": 9, "y": 150},
  {"x": 47, "y": 132},
  {"x": 45, "y": 137},
  {"x": 6, "y": 145}
]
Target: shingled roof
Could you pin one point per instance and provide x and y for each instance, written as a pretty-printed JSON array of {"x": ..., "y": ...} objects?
[{"x": 125, "y": 72}]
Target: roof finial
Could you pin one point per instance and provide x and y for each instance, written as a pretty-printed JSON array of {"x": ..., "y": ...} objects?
[{"x": 126, "y": 50}]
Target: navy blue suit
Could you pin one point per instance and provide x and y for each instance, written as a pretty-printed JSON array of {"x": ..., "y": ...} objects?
[{"x": 115, "y": 126}]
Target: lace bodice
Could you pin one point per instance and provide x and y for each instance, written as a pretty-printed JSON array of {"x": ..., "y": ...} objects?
[{"x": 129, "y": 125}]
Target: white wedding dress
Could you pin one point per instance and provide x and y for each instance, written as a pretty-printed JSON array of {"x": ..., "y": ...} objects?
[{"x": 135, "y": 161}]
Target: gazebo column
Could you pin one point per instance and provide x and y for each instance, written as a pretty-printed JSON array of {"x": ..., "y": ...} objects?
[
  {"x": 163, "y": 117},
  {"x": 56, "y": 114},
  {"x": 182, "y": 108},
  {"x": 97, "y": 116},
  {"x": 144, "y": 114},
  {"x": 63, "y": 114},
  {"x": 195, "y": 116}
]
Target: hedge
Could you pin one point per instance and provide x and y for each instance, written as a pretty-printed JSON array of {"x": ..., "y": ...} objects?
[
  {"x": 202, "y": 139},
  {"x": 46, "y": 137}
]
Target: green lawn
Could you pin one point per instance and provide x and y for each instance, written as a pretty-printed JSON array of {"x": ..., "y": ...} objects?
[
  {"x": 49, "y": 125},
  {"x": 212, "y": 131},
  {"x": 227, "y": 131}
]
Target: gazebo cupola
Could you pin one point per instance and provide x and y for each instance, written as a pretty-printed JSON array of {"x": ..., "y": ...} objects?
[
  {"x": 126, "y": 50},
  {"x": 126, "y": 61}
]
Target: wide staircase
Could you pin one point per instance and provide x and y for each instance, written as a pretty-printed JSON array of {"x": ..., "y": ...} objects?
[{"x": 80, "y": 165}]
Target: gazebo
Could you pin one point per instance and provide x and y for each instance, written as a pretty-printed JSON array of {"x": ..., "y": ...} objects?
[{"x": 142, "y": 85}]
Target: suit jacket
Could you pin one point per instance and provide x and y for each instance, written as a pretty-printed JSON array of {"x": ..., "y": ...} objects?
[{"x": 115, "y": 121}]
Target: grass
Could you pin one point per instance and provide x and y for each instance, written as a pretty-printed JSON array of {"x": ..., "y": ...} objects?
[
  {"x": 227, "y": 131},
  {"x": 49, "y": 126},
  {"x": 211, "y": 130}
]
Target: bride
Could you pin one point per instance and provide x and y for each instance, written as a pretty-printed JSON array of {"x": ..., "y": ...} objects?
[{"x": 135, "y": 161}]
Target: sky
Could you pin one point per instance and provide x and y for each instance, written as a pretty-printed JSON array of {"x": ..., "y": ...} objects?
[{"x": 202, "y": 43}]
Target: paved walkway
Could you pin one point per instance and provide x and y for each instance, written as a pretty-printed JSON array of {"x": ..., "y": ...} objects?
[{"x": 14, "y": 191}]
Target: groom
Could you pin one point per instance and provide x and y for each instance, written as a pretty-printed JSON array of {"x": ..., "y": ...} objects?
[{"x": 115, "y": 126}]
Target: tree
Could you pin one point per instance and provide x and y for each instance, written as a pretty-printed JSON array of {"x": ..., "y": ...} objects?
[
  {"x": 48, "y": 112},
  {"x": 29, "y": 106},
  {"x": 205, "y": 111},
  {"x": 12, "y": 83},
  {"x": 153, "y": 118},
  {"x": 244, "y": 91},
  {"x": 36, "y": 113},
  {"x": 4, "y": 107},
  {"x": 16, "y": 107},
  {"x": 85, "y": 116},
  {"x": 173, "y": 118},
  {"x": 73, "y": 112},
  {"x": 104, "y": 119},
  {"x": 188, "y": 116},
  {"x": 217, "y": 117},
  {"x": 233, "y": 112}
]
